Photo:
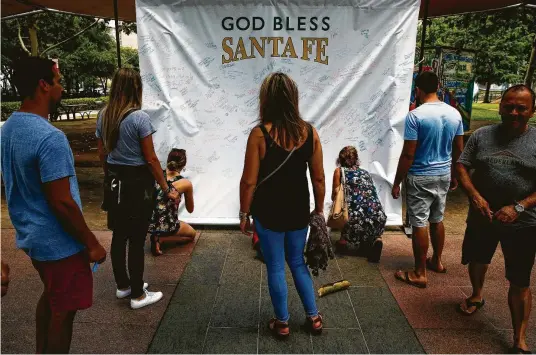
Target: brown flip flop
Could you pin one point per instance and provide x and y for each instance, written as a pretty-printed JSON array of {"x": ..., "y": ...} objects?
[{"x": 408, "y": 281}]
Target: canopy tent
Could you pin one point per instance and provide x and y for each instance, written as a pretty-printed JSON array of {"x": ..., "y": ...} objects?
[{"x": 127, "y": 8}]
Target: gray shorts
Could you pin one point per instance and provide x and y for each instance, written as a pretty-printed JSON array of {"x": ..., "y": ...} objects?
[{"x": 426, "y": 197}]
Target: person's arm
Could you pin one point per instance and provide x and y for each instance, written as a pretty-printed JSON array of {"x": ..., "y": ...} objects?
[
  {"x": 145, "y": 131},
  {"x": 465, "y": 162},
  {"x": 508, "y": 214},
  {"x": 336, "y": 183},
  {"x": 55, "y": 162},
  {"x": 60, "y": 200},
  {"x": 100, "y": 144},
  {"x": 478, "y": 202},
  {"x": 404, "y": 164},
  {"x": 250, "y": 174},
  {"x": 185, "y": 187},
  {"x": 411, "y": 137},
  {"x": 457, "y": 149},
  {"x": 316, "y": 170},
  {"x": 528, "y": 202},
  {"x": 102, "y": 155},
  {"x": 147, "y": 148}
]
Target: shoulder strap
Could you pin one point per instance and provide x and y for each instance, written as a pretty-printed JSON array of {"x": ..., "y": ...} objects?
[
  {"x": 127, "y": 113},
  {"x": 266, "y": 135},
  {"x": 343, "y": 183},
  {"x": 279, "y": 167}
]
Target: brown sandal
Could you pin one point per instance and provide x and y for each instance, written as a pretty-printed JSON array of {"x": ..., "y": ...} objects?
[
  {"x": 315, "y": 324},
  {"x": 279, "y": 329}
]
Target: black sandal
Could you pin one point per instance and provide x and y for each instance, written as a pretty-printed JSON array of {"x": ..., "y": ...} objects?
[
  {"x": 375, "y": 251},
  {"x": 280, "y": 329},
  {"x": 470, "y": 304},
  {"x": 155, "y": 244},
  {"x": 518, "y": 350},
  {"x": 315, "y": 324}
]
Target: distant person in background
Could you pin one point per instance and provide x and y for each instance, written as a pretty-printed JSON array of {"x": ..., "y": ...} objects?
[
  {"x": 165, "y": 226},
  {"x": 433, "y": 140},
  {"x": 44, "y": 205},
  {"x": 502, "y": 195},
  {"x": 366, "y": 218},
  {"x": 125, "y": 143}
]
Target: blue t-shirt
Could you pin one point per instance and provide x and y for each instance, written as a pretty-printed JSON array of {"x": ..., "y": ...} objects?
[
  {"x": 35, "y": 152},
  {"x": 134, "y": 127},
  {"x": 433, "y": 125}
]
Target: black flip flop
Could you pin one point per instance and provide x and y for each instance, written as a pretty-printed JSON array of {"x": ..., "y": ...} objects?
[
  {"x": 408, "y": 281},
  {"x": 518, "y": 350},
  {"x": 429, "y": 266},
  {"x": 468, "y": 303}
]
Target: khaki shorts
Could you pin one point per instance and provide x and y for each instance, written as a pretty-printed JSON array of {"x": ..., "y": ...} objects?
[{"x": 426, "y": 197}]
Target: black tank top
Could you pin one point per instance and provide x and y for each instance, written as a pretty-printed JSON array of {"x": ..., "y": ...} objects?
[{"x": 281, "y": 203}]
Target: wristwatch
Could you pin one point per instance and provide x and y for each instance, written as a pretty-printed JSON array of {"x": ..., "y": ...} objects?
[{"x": 518, "y": 207}]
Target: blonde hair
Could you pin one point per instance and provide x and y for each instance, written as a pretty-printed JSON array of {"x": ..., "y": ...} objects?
[
  {"x": 279, "y": 105},
  {"x": 125, "y": 96}
]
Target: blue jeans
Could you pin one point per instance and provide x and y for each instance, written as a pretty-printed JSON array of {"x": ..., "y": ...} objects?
[{"x": 276, "y": 247}]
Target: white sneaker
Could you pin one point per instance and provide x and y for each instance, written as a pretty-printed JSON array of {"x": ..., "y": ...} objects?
[
  {"x": 150, "y": 298},
  {"x": 127, "y": 292}
]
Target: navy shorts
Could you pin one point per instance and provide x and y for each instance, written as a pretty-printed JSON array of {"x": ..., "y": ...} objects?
[{"x": 518, "y": 247}]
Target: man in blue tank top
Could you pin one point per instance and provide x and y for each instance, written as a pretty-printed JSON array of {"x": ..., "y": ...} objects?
[{"x": 433, "y": 136}]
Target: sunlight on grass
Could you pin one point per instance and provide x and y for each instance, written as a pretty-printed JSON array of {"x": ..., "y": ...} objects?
[{"x": 488, "y": 112}]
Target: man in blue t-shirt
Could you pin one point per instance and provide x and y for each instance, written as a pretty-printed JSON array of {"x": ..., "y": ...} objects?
[
  {"x": 433, "y": 140},
  {"x": 44, "y": 204}
]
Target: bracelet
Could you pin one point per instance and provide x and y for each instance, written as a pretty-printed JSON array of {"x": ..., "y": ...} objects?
[{"x": 243, "y": 215}]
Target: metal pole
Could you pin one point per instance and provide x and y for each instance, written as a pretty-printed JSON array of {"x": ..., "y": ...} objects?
[
  {"x": 423, "y": 34},
  {"x": 117, "y": 39}
]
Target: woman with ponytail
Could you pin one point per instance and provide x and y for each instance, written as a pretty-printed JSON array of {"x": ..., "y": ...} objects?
[{"x": 165, "y": 226}]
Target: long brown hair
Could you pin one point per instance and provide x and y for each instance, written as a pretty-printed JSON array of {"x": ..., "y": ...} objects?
[
  {"x": 125, "y": 96},
  {"x": 279, "y": 105}
]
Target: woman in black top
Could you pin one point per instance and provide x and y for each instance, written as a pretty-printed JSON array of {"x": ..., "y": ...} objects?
[{"x": 285, "y": 145}]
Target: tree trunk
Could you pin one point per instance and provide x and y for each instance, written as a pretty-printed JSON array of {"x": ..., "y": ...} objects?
[
  {"x": 104, "y": 85},
  {"x": 486, "y": 97},
  {"x": 33, "y": 40},
  {"x": 532, "y": 65}
]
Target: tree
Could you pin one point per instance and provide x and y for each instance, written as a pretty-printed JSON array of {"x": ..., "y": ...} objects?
[
  {"x": 130, "y": 58},
  {"x": 84, "y": 47},
  {"x": 502, "y": 39}
]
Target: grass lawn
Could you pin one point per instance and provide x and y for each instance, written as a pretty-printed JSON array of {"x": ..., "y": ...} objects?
[{"x": 488, "y": 112}]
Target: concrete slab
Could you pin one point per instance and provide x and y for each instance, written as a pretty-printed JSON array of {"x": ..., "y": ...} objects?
[{"x": 231, "y": 341}]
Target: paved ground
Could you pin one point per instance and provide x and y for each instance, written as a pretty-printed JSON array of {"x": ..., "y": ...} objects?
[{"x": 221, "y": 305}]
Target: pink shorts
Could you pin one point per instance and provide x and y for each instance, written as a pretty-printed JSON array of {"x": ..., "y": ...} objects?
[{"x": 68, "y": 282}]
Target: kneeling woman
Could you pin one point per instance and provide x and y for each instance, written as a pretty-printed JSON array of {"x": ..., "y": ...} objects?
[
  {"x": 366, "y": 218},
  {"x": 165, "y": 226}
]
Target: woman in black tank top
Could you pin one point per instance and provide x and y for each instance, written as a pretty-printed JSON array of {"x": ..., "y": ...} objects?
[{"x": 275, "y": 191}]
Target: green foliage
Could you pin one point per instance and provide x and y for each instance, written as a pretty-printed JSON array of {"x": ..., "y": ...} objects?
[
  {"x": 502, "y": 39},
  {"x": 94, "y": 103},
  {"x": 88, "y": 60}
]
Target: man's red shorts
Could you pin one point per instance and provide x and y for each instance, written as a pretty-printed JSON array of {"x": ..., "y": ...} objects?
[{"x": 68, "y": 282}]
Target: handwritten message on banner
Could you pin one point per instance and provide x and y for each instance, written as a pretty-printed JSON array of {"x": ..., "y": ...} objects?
[{"x": 203, "y": 61}]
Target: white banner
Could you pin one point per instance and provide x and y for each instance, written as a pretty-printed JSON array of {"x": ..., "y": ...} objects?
[{"x": 202, "y": 64}]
